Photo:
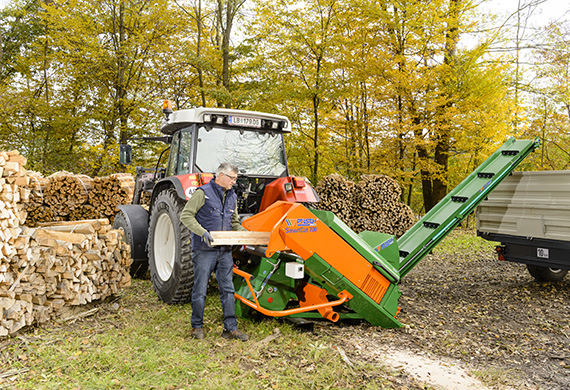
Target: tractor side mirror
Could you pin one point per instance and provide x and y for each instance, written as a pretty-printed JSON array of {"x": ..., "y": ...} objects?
[{"x": 125, "y": 154}]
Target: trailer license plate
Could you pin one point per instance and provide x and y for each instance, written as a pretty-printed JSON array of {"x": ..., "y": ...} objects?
[
  {"x": 542, "y": 253},
  {"x": 244, "y": 121}
]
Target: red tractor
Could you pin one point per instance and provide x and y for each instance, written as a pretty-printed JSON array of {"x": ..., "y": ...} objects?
[{"x": 198, "y": 141}]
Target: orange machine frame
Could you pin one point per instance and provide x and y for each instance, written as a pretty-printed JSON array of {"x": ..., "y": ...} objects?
[{"x": 294, "y": 227}]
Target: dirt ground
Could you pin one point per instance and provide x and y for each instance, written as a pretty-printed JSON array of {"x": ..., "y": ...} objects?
[
  {"x": 492, "y": 317},
  {"x": 467, "y": 318}
]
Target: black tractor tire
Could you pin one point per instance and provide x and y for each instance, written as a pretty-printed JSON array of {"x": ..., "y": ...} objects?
[
  {"x": 139, "y": 268},
  {"x": 546, "y": 274},
  {"x": 170, "y": 250}
]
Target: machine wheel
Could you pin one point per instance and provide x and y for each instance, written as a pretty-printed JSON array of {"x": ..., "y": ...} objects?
[
  {"x": 139, "y": 267},
  {"x": 170, "y": 250},
  {"x": 546, "y": 274}
]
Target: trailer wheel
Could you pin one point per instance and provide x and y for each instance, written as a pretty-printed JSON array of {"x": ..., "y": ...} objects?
[
  {"x": 546, "y": 274},
  {"x": 138, "y": 267},
  {"x": 170, "y": 250}
]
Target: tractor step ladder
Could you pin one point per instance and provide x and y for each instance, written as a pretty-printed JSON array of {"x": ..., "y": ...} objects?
[{"x": 421, "y": 238}]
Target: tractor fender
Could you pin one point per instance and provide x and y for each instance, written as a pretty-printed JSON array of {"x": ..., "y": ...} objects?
[
  {"x": 168, "y": 182},
  {"x": 137, "y": 220},
  {"x": 171, "y": 182},
  {"x": 184, "y": 185}
]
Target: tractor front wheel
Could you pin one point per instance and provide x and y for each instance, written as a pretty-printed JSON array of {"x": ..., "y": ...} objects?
[{"x": 170, "y": 250}]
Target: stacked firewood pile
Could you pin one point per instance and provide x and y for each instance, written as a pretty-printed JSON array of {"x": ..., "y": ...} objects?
[
  {"x": 65, "y": 192},
  {"x": 56, "y": 265},
  {"x": 110, "y": 191},
  {"x": 336, "y": 194},
  {"x": 65, "y": 196},
  {"x": 64, "y": 264},
  {"x": 36, "y": 208},
  {"x": 371, "y": 204}
]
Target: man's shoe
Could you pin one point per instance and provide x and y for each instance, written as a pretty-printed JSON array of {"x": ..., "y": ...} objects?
[
  {"x": 235, "y": 335},
  {"x": 198, "y": 333}
]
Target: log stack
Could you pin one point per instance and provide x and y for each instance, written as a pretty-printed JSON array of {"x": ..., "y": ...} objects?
[
  {"x": 85, "y": 211},
  {"x": 13, "y": 192},
  {"x": 36, "y": 208},
  {"x": 59, "y": 264},
  {"x": 65, "y": 192},
  {"x": 111, "y": 191},
  {"x": 372, "y": 190},
  {"x": 63, "y": 197},
  {"x": 371, "y": 204},
  {"x": 336, "y": 194}
]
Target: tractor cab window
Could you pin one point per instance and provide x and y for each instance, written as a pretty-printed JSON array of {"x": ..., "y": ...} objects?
[
  {"x": 173, "y": 156},
  {"x": 180, "y": 149},
  {"x": 258, "y": 153},
  {"x": 184, "y": 165}
]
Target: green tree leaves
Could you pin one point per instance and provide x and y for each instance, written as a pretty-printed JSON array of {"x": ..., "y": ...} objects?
[{"x": 370, "y": 87}]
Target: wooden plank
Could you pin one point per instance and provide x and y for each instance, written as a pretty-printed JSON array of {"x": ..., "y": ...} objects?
[
  {"x": 75, "y": 238},
  {"x": 240, "y": 238},
  {"x": 96, "y": 223},
  {"x": 82, "y": 228}
]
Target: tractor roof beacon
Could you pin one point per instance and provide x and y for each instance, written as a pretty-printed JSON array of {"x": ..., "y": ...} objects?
[{"x": 199, "y": 139}]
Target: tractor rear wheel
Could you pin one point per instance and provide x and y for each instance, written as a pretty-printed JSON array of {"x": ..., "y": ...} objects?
[{"x": 170, "y": 250}]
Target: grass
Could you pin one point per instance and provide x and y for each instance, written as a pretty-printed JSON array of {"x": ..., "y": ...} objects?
[
  {"x": 494, "y": 375},
  {"x": 137, "y": 342},
  {"x": 464, "y": 241}
]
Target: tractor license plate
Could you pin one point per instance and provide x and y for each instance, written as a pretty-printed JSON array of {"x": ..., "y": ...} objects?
[
  {"x": 542, "y": 253},
  {"x": 244, "y": 121}
]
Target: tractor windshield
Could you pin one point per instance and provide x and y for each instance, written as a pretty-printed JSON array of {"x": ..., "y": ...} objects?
[{"x": 255, "y": 153}]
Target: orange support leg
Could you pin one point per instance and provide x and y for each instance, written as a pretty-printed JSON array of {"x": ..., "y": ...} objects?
[{"x": 343, "y": 295}]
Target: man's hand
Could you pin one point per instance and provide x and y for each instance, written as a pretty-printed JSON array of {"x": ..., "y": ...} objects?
[{"x": 207, "y": 238}]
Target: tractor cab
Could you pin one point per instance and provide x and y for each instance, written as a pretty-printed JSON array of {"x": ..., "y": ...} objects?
[
  {"x": 203, "y": 138},
  {"x": 200, "y": 139}
]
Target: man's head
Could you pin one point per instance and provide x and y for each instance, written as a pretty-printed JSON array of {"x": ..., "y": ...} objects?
[{"x": 226, "y": 175}]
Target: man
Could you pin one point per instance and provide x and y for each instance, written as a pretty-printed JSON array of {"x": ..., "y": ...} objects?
[{"x": 213, "y": 207}]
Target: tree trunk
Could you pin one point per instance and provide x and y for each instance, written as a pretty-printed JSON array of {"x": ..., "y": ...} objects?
[
  {"x": 198, "y": 12},
  {"x": 1, "y": 52},
  {"x": 438, "y": 183},
  {"x": 48, "y": 125},
  {"x": 120, "y": 87},
  {"x": 226, "y": 20},
  {"x": 316, "y": 101},
  {"x": 226, "y": 32}
]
